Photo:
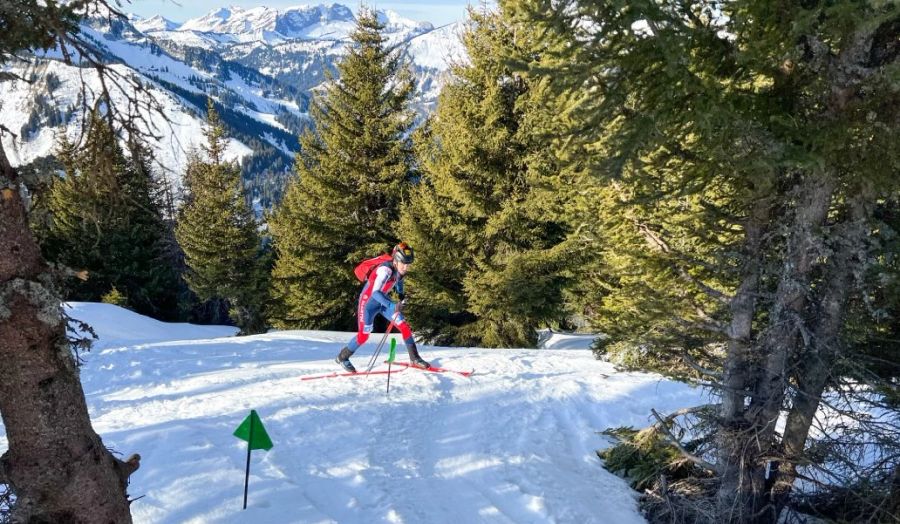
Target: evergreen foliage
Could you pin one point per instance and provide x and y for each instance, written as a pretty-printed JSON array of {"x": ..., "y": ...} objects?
[
  {"x": 105, "y": 220},
  {"x": 748, "y": 154},
  {"x": 495, "y": 256},
  {"x": 115, "y": 297},
  {"x": 353, "y": 173},
  {"x": 218, "y": 233},
  {"x": 642, "y": 456}
]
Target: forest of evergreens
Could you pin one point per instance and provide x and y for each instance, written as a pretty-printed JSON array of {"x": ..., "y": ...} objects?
[{"x": 713, "y": 186}]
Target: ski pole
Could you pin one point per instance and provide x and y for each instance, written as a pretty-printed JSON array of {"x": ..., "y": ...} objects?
[
  {"x": 374, "y": 357},
  {"x": 390, "y": 328}
]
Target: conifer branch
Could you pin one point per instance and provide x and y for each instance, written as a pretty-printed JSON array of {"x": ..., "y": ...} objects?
[
  {"x": 654, "y": 239},
  {"x": 663, "y": 425},
  {"x": 713, "y": 327},
  {"x": 693, "y": 364}
]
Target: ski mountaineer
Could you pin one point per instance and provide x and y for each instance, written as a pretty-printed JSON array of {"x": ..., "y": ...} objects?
[{"x": 373, "y": 299}]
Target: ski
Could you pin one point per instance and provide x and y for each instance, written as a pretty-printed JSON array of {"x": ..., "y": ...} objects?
[
  {"x": 434, "y": 369},
  {"x": 357, "y": 374}
]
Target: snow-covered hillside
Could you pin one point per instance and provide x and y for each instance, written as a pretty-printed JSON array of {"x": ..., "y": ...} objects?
[
  {"x": 60, "y": 101},
  {"x": 515, "y": 442}
]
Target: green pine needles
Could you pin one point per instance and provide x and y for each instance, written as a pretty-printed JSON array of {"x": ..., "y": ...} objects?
[
  {"x": 106, "y": 222},
  {"x": 494, "y": 253},
  {"x": 747, "y": 155},
  {"x": 219, "y": 234}
]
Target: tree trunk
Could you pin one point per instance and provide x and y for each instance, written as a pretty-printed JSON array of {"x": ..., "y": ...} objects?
[
  {"x": 736, "y": 373},
  {"x": 56, "y": 464},
  {"x": 814, "y": 375},
  {"x": 748, "y": 501}
]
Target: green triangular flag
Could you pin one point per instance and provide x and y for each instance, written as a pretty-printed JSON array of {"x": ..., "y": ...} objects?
[
  {"x": 258, "y": 438},
  {"x": 393, "y": 352}
]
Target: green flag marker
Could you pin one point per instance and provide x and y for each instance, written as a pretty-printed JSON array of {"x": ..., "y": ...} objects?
[
  {"x": 252, "y": 430},
  {"x": 393, "y": 352}
]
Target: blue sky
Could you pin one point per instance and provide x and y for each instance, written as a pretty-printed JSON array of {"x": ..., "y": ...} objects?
[{"x": 438, "y": 12}]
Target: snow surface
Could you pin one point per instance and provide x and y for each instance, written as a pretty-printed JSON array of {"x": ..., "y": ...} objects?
[
  {"x": 431, "y": 50},
  {"x": 514, "y": 443},
  {"x": 156, "y": 23}
]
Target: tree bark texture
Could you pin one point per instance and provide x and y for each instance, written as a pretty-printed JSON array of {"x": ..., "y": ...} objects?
[
  {"x": 737, "y": 368},
  {"x": 816, "y": 363},
  {"x": 742, "y": 494},
  {"x": 56, "y": 464},
  {"x": 801, "y": 338}
]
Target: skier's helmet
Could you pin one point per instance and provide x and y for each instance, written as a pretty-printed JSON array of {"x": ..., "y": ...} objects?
[{"x": 403, "y": 253}]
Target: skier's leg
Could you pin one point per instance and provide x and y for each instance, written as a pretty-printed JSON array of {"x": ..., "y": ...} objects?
[
  {"x": 364, "y": 320},
  {"x": 406, "y": 333}
]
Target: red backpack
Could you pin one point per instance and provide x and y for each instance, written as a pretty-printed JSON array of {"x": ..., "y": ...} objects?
[{"x": 366, "y": 266}]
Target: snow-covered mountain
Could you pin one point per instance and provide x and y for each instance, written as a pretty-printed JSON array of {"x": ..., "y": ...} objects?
[
  {"x": 156, "y": 23},
  {"x": 259, "y": 64},
  {"x": 307, "y": 22},
  {"x": 514, "y": 442}
]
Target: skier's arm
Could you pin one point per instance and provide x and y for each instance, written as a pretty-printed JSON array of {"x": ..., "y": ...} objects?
[
  {"x": 381, "y": 275},
  {"x": 399, "y": 287}
]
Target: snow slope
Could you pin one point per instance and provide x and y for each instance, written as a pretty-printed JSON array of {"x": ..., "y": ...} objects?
[{"x": 514, "y": 443}]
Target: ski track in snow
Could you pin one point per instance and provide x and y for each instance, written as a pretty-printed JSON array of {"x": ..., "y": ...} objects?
[{"x": 514, "y": 443}]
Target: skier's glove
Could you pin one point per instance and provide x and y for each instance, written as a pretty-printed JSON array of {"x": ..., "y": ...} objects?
[{"x": 402, "y": 303}]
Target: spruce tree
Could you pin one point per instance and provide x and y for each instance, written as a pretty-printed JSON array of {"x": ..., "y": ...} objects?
[
  {"x": 353, "y": 172},
  {"x": 106, "y": 221},
  {"x": 746, "y": 151},
  {"x": 218, "y": 233},
  {"x": 494, "y": 250}
]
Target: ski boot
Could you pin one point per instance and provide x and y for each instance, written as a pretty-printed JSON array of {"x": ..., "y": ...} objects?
[
  {"x": 343, "y": 359},
  {"x": 414, "y": 359}
]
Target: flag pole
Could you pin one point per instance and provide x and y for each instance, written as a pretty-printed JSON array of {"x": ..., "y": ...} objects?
[
  {"x": 389, "y": 378},
  {"x": 253, "y": 431},
  {"x": 247, "y": 472},
  {"x": 390, "y": 361}
]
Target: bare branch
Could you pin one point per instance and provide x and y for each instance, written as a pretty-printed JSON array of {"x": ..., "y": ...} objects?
[
  {"x": 4, "y": 129},
  {"x": 664, "y": 426},
  {"x": 693, "y": 364}
]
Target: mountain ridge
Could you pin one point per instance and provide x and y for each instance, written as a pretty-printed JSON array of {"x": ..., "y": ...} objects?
[{"x": 269, "y": 81}]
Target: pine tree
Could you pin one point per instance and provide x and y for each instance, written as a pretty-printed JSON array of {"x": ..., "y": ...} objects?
[
  {"x": 744, "y": 150},
  {"x": 494, "y": 258},
  {"x": 353, "y": 173},
  {"x": 218, "y": 233},
  {"x": 106, "y": 221}
]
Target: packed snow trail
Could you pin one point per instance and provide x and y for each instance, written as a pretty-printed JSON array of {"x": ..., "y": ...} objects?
[{"x": 513, "y": 443}]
